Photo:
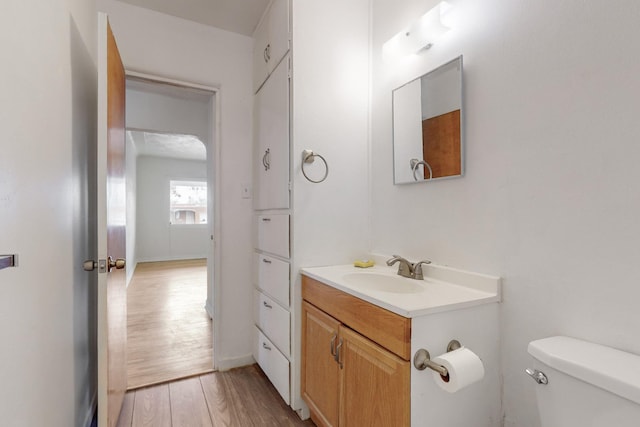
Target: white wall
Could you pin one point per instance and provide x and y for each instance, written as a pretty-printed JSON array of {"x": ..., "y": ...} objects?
[
  {"x": 550, "y": 198},
  {"x": 47, "y": 166},
  {"x": 169, "y": 113},
  {"x": 156, "y": 238},
  {"x": 330, "y": 94},
  {"x": 131, "y": 175},
  {"x": 159, "y": 44}
]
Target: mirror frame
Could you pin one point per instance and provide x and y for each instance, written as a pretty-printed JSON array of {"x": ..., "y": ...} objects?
[{"x": 462, "y": 127}]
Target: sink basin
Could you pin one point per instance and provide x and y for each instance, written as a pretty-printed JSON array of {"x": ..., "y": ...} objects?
[{"x": 383, "y": 283}]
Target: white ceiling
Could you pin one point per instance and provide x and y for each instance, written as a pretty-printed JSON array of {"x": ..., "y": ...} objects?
[
  {"x": 238, "y": 16},
  {"x": 169, "y": 145}
]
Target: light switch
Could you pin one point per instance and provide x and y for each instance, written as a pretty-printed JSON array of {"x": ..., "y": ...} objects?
[{"x": 246, "y": 190}]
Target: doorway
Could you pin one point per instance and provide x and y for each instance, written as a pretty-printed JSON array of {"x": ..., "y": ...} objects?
[{"x": 171, "y": 130}]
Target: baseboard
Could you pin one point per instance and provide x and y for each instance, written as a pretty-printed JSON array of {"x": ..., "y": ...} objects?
[
  {"x": 173, "y": 258},
  {"x": 131, "y": 268},
  {"x": 303, "y": 412},
  {"x": 209, "y": 307},
  {"x": 93, "y": 407},
  {"x": 236, "y": 362}
]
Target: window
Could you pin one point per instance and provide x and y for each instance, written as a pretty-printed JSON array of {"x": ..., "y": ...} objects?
[{"x": 187, "y": 202}]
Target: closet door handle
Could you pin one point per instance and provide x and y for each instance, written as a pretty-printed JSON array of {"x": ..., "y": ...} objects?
[
  {"x": 264, "y": 160},
  {"x": 268, "y": 51},
  {"x": 266, "y": 261},
  {"x": 265, "y": 346},
  {"x": 264, "y": 55},
  {"x": 267, "y": 156},
  {"x": 266, "y": 304}
]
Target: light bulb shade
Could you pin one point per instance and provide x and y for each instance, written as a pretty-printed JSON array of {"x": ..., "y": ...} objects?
[{"x": 419, "y": 35}]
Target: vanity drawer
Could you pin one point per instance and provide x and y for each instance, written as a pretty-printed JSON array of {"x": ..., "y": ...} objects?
[
  {"x": 387, "y": 329},
  {"x": 273, "y": 234},
  {"x": 273, "y": 363},
  {"x": 273, "y": 277},
  {"x": 273, "y": 320}
]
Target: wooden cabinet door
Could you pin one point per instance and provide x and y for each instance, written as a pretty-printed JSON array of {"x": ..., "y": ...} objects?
[
  {"x": 272, "y": 141},
  {"x": 374, "y": 384},
  {"x": 320, "y": 387}
]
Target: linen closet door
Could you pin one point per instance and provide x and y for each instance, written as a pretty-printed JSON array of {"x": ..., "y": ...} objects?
[{"x": 272, "y": 141}]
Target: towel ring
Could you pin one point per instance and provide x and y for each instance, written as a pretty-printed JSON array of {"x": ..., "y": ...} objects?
[
  {"x": 308, "y": 156},
  {"x": 414, "y": 163}
]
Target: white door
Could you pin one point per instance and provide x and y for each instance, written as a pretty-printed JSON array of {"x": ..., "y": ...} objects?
[
  {"x": 272, "y": 141},
  {"x": 111, "y": 218}
]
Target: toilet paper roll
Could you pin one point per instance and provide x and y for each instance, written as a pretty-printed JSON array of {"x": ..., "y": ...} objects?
[{"x": 464, "y": 367}]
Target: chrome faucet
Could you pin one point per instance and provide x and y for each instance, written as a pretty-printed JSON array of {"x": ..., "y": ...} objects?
[
  {"x": 417, "y": 269},
  {"x": 407, "y": 268}
]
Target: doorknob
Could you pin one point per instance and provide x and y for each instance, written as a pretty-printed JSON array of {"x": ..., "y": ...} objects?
[
  {"x": 89, "y": 265},
  {"x": 102, "y": 265},
  {"x": 118, "y": 264}
]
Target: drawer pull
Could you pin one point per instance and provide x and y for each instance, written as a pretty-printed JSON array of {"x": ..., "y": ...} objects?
[
  {"x": 265, "y": 346},
  {"x": 266, "y": 261},
  {"x": 266, "y": 304},
  {"x": 333, "y": 345},
  {"x": 266, "y": 219},
  {"x": 336, "y": 357}
]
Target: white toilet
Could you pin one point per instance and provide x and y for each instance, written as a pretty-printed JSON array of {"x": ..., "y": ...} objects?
[{"x": 587, "y": 385}]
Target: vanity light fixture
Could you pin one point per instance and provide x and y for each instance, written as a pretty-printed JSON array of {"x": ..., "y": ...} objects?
[{"x": 420, "y": 35}]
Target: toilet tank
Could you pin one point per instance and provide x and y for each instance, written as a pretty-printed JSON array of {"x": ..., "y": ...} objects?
[{"x": 589, "y": 385}]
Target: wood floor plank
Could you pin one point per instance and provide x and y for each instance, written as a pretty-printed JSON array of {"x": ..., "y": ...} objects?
[
  {"x": 258, "y": 409},
  {"x": 222, "y": 408},
  {"x": 152, "y": 407},
  {"x": 188, "y": 404},
  {"x": 268, "y": 404},
  {"x": 169, "y": 333},
  {"x": 126, "y": 413},
  {"x": 242, "y": 397}
]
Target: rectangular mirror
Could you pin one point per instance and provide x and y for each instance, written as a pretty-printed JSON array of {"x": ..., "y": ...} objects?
[{"x": 427, "y": 126}]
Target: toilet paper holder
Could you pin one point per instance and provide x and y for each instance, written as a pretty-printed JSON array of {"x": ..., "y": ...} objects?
[{"x": 422, "y": 359}]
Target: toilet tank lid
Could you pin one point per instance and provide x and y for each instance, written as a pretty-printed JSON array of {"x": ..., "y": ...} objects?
[{"x": 613, "y": 370}]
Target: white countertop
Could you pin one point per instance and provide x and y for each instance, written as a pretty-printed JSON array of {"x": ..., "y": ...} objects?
[{"x": 444, "y": 288}]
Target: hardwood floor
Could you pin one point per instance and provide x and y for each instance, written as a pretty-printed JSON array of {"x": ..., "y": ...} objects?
[
  {"x": 169, "y": 333},
  {"x": 241, "y": 397}
]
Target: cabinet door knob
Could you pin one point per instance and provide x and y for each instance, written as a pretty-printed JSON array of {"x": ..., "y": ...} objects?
[
  {"x": 265, "y": 346},
  {"x": 266, "y": 261},
  {"x": 266, "y": 304}
]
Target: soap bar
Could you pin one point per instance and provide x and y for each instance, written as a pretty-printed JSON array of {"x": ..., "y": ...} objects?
[{"x": 363, "y": 263}]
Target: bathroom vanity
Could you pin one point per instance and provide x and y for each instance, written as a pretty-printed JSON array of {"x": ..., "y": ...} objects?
[{"x": 361, "y": 328}]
